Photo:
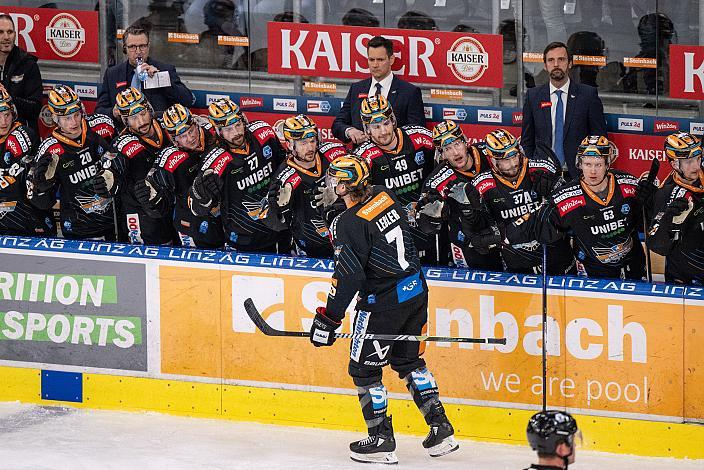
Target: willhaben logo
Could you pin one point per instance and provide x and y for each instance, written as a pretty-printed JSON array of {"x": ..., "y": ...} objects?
[
  {"x": 65, "y": 35},
  {"x": 467, "y": 59},
  {"x": 666, "y": 126},
  {"x": 626, "y": 124},
  {"x": 251, "y": 102},
  {"x": 517, "y": 118}
]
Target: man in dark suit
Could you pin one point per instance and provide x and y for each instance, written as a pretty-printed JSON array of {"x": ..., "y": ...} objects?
[
  {"x": 561, "y": 113},
  {"x": 406, "y": 99},
  {"x": 121, "y": 76}
]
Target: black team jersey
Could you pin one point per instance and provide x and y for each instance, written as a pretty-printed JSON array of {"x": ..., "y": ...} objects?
[
  {"x": 84, "y": 214},
  {"x": 403, "y": 171},
  {"x": 136, "y": 155},
  {"x": 173, "y": 174},
  {"x": 310, "y": 234},
  {"x": 681, "y": 243},
  {"x": 245, "y": 176},
  {"x": 463, "y": 221},
  {"x": 375, "y": 256},
  {"x": 605, "y": 232},
  {"x": 17, "y": 215},
  {"x": 506, "y": 201}
]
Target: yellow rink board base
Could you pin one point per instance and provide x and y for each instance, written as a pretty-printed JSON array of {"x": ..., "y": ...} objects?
[{"x": 341, "y": 412}]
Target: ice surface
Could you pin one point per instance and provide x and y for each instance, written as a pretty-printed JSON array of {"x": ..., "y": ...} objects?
[{"x": 38, "y": 438}]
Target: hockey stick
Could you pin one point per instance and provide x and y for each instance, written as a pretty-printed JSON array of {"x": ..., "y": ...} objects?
[
  {"x": 545, "y": 323},
  {"x": 652, "y": 174},
  {"x": 268, "y": 330}
]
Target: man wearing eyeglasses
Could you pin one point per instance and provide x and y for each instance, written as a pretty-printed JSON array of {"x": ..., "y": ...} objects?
[{"x": 122, "y": 76}]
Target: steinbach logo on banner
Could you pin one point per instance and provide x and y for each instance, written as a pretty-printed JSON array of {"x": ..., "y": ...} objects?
[
  {"x": 56, "y": 34},
  {"x": 687, "y": 72},
  {"x": 421, "y": 56}
]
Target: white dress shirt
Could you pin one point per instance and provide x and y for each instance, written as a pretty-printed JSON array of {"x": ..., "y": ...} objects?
[
  {"x": 553, "y": 108},
  {"x": 385, "y": 86}
]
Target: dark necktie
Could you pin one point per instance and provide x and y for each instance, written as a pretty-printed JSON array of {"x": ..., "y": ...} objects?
[
  {"x": 559, "y": 128},
  {"x": 378, "y": 89}
]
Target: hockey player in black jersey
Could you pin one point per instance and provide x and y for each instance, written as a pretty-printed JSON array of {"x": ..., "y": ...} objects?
[
  {"x": 136, "y": 150},
  {"x": 375, "y": 256},
  {"x": 165, "y": 189},
  {"x": 552, "y": 434},
  {"x": 677, "y": 227},
  {"x": 440, "y": 201},
  {"x": 17, "y": 146},
  {"x": 236, "y": 175},
  {"x": 512, "y": 187},
  {"x": 68, "y": 160},
  {"x": 602, "y": 211},
  {"x": 400, "y": 160},
  {"x": 291, "y": 201}
]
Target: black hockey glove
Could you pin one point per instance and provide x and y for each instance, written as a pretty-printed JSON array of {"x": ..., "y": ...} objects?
[
  {"x": 145, "y": 193},
  {"x": 485, "y": 240},
  {"x": 279, "y": 195},
  {"x": 104, "y": 184},
  {"x": 677, "y": 211},
  {"x": 44, "y": 171},
  {"x": 429, "y": 217},
  {"x": 465, "y": 194},
  {"x": 645, "y": 192},
  {"x": 205, "y": 188},
  {"x": 322, "y": 332},
  {"x": 543, "y": 182}
]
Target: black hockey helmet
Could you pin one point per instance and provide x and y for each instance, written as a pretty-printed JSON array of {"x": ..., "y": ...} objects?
[{"x": 548, "y": 429}]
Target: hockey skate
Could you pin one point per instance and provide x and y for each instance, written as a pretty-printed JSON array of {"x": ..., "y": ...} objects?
[
  {"x": 379, "y": 447},
  {"x": 440, "y": 440}
]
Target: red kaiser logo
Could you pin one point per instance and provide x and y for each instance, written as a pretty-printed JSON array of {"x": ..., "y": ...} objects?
[
  {"x": 666, "y": 126},
  {"x": 65, "y": 35},
  {"x": 421, "y": 56},
  {"x": 251, "y": 102},
  {"x": 467, "y": 59}
]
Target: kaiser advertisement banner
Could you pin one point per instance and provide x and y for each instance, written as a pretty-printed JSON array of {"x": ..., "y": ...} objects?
[
  {"x": 446, "y": 58},
  {"x": 59, "y": 310},
  {"x": 687, "y": 72},
  {"x": 51, "y": 34}
]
